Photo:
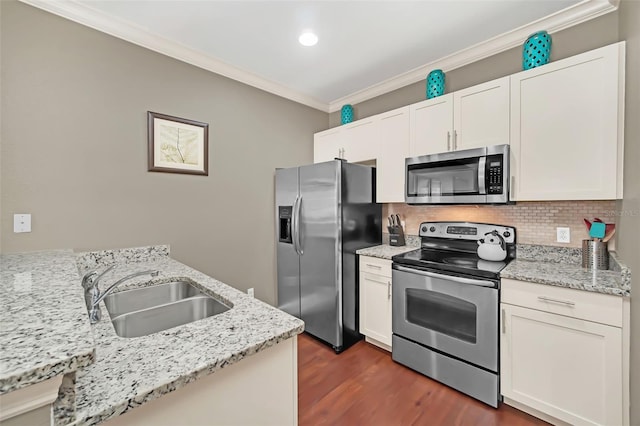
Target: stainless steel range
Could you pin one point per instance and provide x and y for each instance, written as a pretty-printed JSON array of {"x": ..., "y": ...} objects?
[{"x": 445, "y": 306}]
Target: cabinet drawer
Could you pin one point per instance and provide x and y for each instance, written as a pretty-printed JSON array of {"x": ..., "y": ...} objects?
[
  {"x": 596, "y": 307},
  {"x": 374, "y": 265}
]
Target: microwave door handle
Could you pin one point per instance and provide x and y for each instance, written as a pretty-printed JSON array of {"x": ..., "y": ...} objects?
[
  {"x": 482, "y": 187},
  {"x": 469, "y": 281}
]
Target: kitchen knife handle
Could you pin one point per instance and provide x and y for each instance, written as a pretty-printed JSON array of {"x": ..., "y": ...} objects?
[{"x": 448, "y": 140}]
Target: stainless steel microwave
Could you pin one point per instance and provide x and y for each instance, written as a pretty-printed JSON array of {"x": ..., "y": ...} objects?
[{"x": 471, "y": 176}]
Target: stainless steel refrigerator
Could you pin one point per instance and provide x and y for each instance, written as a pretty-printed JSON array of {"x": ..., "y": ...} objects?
[{"x": 324, "y": 213}]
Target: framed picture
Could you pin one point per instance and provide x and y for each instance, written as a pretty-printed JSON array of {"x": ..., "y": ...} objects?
[{"x": 177, "y": 145}]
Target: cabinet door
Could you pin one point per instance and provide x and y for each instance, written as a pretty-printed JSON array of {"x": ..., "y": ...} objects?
[
  {"x": 568, "y": 368},
  {"x": 432, "y": 126},
  {"x": 481, "y": 115},
  {"x": 393, "y": 148},
  {"x": 566, "y": 128},
  {"x": 375, "y": 307},
  {"x": 327, "y": 145},
  {"x": 359, "y": 140}
]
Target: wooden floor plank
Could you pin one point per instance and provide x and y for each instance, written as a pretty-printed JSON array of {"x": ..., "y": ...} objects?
[{"x": 364, "y": 386}]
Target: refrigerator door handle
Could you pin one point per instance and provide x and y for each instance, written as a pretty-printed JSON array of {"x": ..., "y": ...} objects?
[
  {"x": 294, "y": 225},
  {"x": 297, "y": 234}
]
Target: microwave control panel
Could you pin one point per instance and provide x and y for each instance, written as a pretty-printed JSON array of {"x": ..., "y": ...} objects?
[{"x": 495, "y": 174}]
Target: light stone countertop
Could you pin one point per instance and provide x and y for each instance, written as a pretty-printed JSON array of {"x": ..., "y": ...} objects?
[
  {"x": 386, "y": 251},
  {"x": 44, "y": 330},
  {"x": 556, "y": 266},
  {"x": 129, "y": 372},
  {"x": 570, "y": 275}
]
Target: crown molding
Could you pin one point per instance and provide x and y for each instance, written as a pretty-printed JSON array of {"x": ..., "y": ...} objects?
[
  {"x": 98, "y": 20},
  {"x": 85, "y": 15},
  {"x": 574, "y": 15}
]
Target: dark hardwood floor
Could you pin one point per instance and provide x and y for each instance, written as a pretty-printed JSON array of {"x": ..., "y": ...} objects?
[{"x": 363, "y": 386}]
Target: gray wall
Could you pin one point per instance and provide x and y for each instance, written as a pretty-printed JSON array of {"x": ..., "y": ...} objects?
[
  {"x": 74, "y": 151},
  {"x": 628, "y": 239},
  {"x": 581, "y": 38}
]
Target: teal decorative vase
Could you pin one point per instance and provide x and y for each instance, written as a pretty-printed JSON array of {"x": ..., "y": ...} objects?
[
  {"x": 536, "y": 50},
  {"x": 435, "y": 84},
  {"x": 346, "y": 114}
]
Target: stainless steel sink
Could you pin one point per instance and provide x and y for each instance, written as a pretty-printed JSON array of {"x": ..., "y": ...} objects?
[
  {"x": 148, "y": 297},
  {"x": 144, "y": 311}
]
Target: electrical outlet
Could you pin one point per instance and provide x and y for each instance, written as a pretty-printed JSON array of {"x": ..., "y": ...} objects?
[
  {"x": 22, "y": 222},
  {"x": 250, "y": 292},
  {"x": 563, "y": 235}
]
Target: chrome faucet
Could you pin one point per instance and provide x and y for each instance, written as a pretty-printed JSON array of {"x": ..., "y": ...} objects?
[
  {"x": 96, "y": 296},
  {"x": 90, "y": 282}
]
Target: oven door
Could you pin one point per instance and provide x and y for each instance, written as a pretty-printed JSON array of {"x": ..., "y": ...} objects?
[{"x": 453, "y": 315}]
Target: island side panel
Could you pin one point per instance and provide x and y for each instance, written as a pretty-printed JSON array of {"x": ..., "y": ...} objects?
[{"x": 259, "y": 390}]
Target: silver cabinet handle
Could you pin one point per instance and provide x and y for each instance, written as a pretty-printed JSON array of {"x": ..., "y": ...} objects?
[
  {"x": 455, "y": 140},
  {"x": 562, "y": 302},
  {"x": 388, "y": 289},
  {"x": 374, "y": 266},
  {"x": 448, "y": 140},
  {"x": 504, "y": 322},
  {"x": 368, "y": 278}
]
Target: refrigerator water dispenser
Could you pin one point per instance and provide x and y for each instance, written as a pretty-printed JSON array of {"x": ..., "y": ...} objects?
[{"x": 284, "y": 223}]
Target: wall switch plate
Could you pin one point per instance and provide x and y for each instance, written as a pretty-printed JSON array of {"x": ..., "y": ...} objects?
[
  {"x": 250, "y": 292},
  {"x": 563, "y": 235},
  {"x": 21, "y": 222}
]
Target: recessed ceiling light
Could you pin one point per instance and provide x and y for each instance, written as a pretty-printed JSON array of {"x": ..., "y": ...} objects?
[{"x": 308, "y": 38}]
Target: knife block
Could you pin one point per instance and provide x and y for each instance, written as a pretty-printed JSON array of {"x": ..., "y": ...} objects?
[{"x": 396, "y": 236}]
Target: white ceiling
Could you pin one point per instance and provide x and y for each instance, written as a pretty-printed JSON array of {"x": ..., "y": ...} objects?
[{"x": 362, "y": 43}]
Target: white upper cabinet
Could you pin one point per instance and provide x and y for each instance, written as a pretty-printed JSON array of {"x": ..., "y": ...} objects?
[
  {"x": 359, "y": 140},
  {"x": 354, "y": 142},
  {"x": 431, "y": 126},
  {"x": 471, "y": 118},
  {"x": 481, "y": 115},
  {"x": 566, "y": 128},
  {"x": 327, "y": 145},
  {"x": 393, "y": 143}
]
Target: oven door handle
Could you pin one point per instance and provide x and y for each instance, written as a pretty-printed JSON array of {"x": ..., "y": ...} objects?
[{"x": 468, "y": 281}]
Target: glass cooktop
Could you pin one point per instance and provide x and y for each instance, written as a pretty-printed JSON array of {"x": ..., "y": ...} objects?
[{"x": 459, "y": 263}]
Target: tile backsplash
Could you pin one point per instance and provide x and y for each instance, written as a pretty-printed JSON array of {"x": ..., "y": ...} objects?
[{"x": 535, "y": 222}]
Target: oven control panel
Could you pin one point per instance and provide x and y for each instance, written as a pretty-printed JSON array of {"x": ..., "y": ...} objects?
[{"x": 465, "y": 230}]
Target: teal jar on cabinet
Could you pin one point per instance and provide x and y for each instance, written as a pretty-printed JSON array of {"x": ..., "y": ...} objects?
[
  {"x": 435, "y": 84},
  {"x": 346, "y": 114},
  {"x": 536, "y": 50}
]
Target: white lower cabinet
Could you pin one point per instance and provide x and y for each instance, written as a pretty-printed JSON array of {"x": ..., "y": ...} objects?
[
  {"x": 375, "y": 300},
  {"x": 561, "y": 365}
]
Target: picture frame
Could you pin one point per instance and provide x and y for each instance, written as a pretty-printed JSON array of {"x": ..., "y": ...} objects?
[{"x": 177, "y": 145}]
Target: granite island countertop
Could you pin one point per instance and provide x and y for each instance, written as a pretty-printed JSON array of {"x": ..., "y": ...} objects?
[
  {"x": 129, "y": 372},
  {"x": 44, "y": 331}
]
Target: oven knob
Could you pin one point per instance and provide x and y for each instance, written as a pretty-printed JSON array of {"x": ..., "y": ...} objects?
[
  {"x": 432, "y": 229},
  {"x": 424, "y": 229},
  {"x": 506, "y": 234}
]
